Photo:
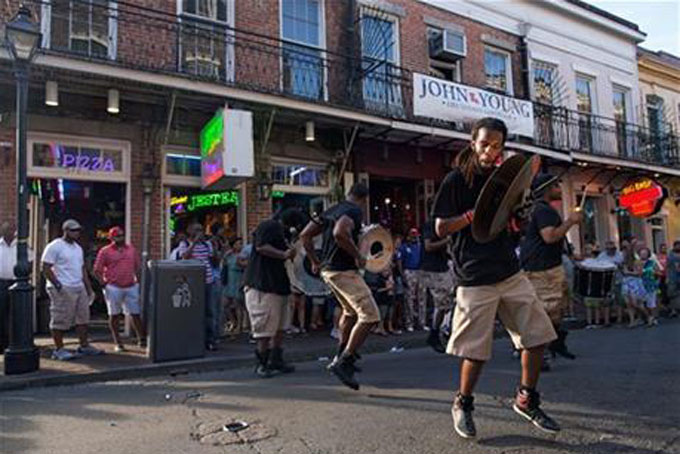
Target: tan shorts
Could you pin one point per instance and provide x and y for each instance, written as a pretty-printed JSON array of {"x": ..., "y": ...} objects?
[
  {"x": 440, "y": 286},
  {"x": 552, "y": 289},
  {"x": 517, "y": 306},
  {"x": 353, "y": 294},
  {"x": 268, "y": 312},
  {"x": 68, "y": 306}
]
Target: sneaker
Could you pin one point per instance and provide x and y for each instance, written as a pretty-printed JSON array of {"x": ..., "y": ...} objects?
[
  {"x": 263, "y": 371},
  {"x": 461, "y": 410},
  {"x": 527, "y": 404},
  {"x": 61, "y": 354},
  {"x": 409, "y": 329},
  {"x": 335, "y": 333},
  {"x": 653, "y": 322},
  {"x": 343, "y": 369},
  {"x": 89, "y": 350},
  {"x": 119, "y": 348}
]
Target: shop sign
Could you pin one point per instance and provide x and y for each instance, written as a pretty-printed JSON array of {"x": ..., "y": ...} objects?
[
  {"x": 448, "y": 101},
  {"x": 190, "y": 203},
  {"x": 227, "y": 156},
  {"x": 642, "y": 197}
]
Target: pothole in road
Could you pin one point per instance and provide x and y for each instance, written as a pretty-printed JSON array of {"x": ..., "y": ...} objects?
[{"x": 215, "y": 432}]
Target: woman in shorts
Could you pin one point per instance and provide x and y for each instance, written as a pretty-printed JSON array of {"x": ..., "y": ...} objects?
[
  {"x": 632, "y": 288},
  {"x": 650, "y": 281}
]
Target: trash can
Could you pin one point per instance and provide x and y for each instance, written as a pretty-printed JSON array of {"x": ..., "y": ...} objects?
[{"x": 176, "y": 310}]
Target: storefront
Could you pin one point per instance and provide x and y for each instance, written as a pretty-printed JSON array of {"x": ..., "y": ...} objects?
[{"x": 301, "y": 185}]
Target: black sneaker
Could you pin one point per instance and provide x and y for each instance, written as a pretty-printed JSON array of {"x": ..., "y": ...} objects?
[
  {"x": 262, "y": 368},
  {"x": 343, "y": 368},
  {"x": 527, "y": 404},
  {"x": 276, "y": 362},
  {"x": 461, "y": 410},
  {"x": 351, "y": 360},
  {"x": 434, "y": 341}
]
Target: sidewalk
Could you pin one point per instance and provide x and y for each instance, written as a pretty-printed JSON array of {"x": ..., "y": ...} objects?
[{"x": 133, "y": 363}]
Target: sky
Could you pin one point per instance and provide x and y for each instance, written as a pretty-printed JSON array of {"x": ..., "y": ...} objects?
[{"x": 660, "y": 19}]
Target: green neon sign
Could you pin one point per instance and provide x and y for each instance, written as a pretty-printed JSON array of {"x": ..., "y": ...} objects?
[
  {"x": 278, "y": 194},
  {"x": 212, "y": 134},
  {"x": 189, "y": 203}
]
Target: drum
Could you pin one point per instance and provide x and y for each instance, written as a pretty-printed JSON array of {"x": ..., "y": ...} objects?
[
  {"x": 300, "y": 272},
  {"x": 594, "y": 280},
  {"x": 375, "y": 243}
]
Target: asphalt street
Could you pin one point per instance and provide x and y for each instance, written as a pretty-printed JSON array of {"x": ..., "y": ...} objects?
[{"x": 622, "y": 395}]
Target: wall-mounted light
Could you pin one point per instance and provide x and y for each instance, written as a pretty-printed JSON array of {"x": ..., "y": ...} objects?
[
  {"x": 113, "y": 105},
  {"x": 51, "y": 93},
  {"x": 309, "y": 131}
]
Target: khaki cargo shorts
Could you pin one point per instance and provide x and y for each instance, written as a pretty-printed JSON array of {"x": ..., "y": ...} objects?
[
  {"x": 552, "y": 289},
  {"x": 353, "y": 294},
  {"x": 440, "y": 286},
  {"x": 68, "y": 306},
  {"x": 268, "y": 312},
  {"x": 517, "y": 306}
]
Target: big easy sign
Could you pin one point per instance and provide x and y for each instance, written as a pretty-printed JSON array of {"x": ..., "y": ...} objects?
[
  {"x": 642, "y": 197},
  {"x": 448, "y": 101}
]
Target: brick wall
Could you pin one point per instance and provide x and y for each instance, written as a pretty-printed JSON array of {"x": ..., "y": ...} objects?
[{"x": 7, "y": 172}]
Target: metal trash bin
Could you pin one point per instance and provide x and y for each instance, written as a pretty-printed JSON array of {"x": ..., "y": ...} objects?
[{"x": 176, "y": 310}]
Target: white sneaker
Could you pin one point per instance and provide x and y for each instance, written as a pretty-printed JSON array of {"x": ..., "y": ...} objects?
[
  {"x": 89, "y": 350},
  {"x": 119, "y": 348},
  {"x": 61, "y": 354},
  {"x": 335, "y": 333},
  {"x": 409, "y": 329}
]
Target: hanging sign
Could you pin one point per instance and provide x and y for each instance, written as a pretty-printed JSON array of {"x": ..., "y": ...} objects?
[
  {"x": 642, "y": 197},
  {"x": 448, "y": 101},
  {"x": 190, "y": 203}
]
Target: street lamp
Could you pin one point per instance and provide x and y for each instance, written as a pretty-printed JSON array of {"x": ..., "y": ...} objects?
[{"x": 22, "y": 36}]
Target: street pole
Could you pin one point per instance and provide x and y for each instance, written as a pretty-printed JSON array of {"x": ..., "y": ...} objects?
[{"x": 22, "y": 355}]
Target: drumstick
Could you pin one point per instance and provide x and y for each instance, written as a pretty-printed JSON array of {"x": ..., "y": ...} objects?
[{"x": 583, "y": 199}]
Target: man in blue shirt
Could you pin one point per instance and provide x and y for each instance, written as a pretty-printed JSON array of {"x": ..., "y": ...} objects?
[
  {"x": 411, "y": 255},
  {"x": 673, "y": 278}
]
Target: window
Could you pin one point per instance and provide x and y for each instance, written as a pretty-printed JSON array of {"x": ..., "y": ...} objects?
[
  {"x": 497, "y": 68},
  {"x": 545, "y": 86},
  {"x": 86, "y": 27},
  {"x": 655, "y": 113},
  {"x": 205, "y": 40},
  {"x": 620, "y": 102},
  {"x": 303, "y": 64},
  {"x": 442, "y": 69},
  {"x": 76, "y": 159},
  {"x": 186, "y": 165},
  {"x": 380, "y": 52},
  {"x": 299, "y": 175},
  {"x": 584, "y": 105}
]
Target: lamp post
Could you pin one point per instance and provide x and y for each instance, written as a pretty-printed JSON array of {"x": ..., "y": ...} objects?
[
  {"x": 148, "y": 181},
  {"x": 22, "y": 36}
]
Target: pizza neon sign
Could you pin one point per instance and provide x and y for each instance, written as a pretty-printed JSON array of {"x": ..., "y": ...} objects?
[{"x": 642, "y": 197}]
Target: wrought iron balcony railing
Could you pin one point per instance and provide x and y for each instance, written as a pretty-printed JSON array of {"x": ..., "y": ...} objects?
[{"x": 132, "y": 36}]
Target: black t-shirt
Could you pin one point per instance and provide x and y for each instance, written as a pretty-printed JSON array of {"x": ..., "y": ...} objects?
[
  {"x": 334, "y": 257},
  {"x": 474, "y": 263},
  {"x": 263, "y": 273},
  {"x": 435, "y": 261},
  {"x": 536, "y": 254}
]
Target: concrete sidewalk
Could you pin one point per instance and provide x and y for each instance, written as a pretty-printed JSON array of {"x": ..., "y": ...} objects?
[{"x": 133, "y": 363}]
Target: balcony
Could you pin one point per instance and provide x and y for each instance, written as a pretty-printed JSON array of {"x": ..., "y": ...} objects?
[{"x": 158, "y": 41}]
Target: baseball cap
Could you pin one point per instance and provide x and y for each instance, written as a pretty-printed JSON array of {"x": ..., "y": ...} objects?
[
  {"x": 71, "y": 224},
  {"x": 116, "y": 231}
]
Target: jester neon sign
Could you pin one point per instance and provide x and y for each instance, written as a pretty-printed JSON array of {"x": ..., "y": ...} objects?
[
  {"x": 642, "y": 197},
  {"x": 190, "y": 203}
]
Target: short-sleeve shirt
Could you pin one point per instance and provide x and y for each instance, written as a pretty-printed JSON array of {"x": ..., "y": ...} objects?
[
  {"x": 474, "y": 263},
  {"x": 334, "y": 257},
  {"x": 535, "y": 253},
  {"x": 263, "y": 273},
  {"x": 435, "y": 261},
  {"x": 67, "y": 262},
  {"x": 118, "y": 266},
  {"x": 203, "y": 252}
]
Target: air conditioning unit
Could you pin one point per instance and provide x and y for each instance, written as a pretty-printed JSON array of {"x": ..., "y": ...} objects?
[{"x": 447, "y": 45}]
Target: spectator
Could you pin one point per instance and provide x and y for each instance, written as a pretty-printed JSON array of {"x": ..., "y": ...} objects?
[
  {"x": 8, "y": 259},
  {"x": 233, "y": 265},
  {"x": 198, "y": 247},
  {"x": 117, "y": 267},
  {"x": 220, "y": 248},
  {"x": 69, "y": 289},
  {"x": 399, "y": 312},
  {"x": 179, "y": 238},
  {"x": 411, "y": 254},
  {"x": 650, "y": 281},
  {"x": 381, "y": 284},
  {"x": 613, "y": 256},
  {"x": 610, "y": 254},
  {"x": 662, "y": 260},
  {"x": 673, "y": 279},
  {"x": 632, "y": 288}
]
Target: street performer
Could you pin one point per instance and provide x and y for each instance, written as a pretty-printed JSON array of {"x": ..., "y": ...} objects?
[
  {"x": 342, "y": 260},
  {"x": 490, "y": 283},
  {"x": 541, "y": 256}
]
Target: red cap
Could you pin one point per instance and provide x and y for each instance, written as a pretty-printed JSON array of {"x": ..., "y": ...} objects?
[
  {"x": 413, "y": 232},
  {"x": 115, "y": 231}
]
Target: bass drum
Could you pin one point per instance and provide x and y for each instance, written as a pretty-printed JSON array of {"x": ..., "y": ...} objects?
[
  {"x": 375, "y": 243},
  {"x": 300, "y": 273}
]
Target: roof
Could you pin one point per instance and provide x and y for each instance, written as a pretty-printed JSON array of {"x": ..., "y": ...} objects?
[
  {"x": 607, "y": 14},
  {"x": 660, "y": 56}
]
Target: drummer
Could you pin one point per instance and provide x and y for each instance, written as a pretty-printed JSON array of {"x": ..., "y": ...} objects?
[
  {"x": 342, "y": 260},
  {"x": 489, "y": 283},
  {"x": 541, "y": 255}
]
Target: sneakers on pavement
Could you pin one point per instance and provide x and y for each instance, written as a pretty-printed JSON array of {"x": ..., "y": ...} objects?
[
  {"x": 461, "y": 410},
  {"x": 527, "y": 404},
  {"x": 89, "y": 350},
  {"x": 61, "y": 354},
  {"x": 343, "y": 368},
  {"x": 119, "y": 348}
]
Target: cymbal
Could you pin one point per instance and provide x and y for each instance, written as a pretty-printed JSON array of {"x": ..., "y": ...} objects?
[{"x": 502, "y": 192}]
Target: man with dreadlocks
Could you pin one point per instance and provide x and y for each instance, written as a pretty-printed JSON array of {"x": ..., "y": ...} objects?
[{"x": 490, "y": 283}]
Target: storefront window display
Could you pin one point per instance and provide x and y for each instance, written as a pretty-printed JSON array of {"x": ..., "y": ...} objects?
[{"x": 189, "y": 205}]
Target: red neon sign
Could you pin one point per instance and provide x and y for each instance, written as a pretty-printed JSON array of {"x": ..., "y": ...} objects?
[{"x": 642, "y": 198}]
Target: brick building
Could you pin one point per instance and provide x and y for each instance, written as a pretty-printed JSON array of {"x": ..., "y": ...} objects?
[{"x": 120, "y": 91}]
